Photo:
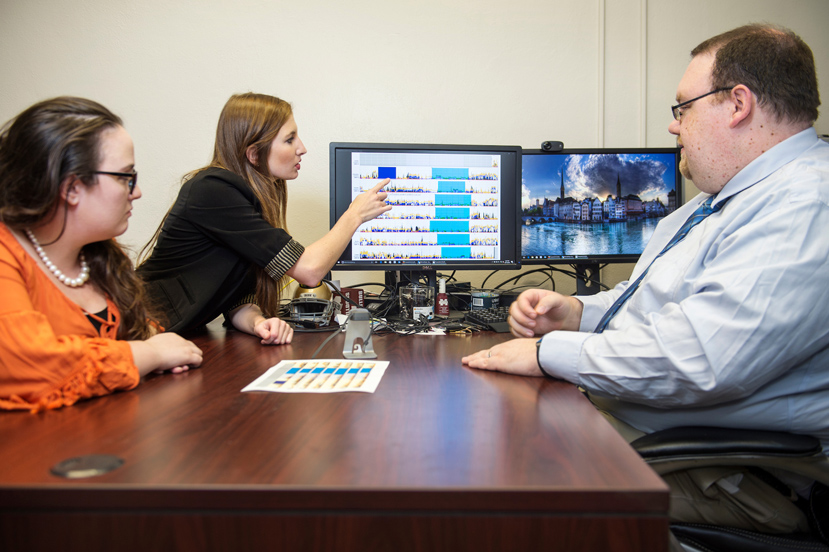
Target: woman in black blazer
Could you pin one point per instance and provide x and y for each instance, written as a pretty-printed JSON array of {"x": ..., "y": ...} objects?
[{"x": 223, "y": 247}]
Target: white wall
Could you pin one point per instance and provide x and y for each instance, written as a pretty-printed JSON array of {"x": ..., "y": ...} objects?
[{"x": 591, "y": 73}]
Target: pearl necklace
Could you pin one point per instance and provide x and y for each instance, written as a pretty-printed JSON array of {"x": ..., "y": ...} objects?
[{"x": 64, "y": 279}]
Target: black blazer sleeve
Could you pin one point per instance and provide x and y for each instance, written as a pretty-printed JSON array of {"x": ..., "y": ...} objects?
[{"x": 222, "y": 207}]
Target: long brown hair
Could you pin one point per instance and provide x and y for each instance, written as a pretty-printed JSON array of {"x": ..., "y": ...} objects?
[
  {"x": 39, "y": 149},
  {"x": 250, "y": 120}
]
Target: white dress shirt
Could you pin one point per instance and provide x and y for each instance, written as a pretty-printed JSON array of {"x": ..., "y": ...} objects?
[{"x": 730, "y": 327}]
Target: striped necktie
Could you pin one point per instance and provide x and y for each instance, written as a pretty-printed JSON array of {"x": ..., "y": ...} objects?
[{"x": 696, "y": 217}]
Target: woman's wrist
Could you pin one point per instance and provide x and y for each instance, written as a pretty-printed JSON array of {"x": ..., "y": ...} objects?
[
  {"x": 352, "y": 219},
  {"x": 144, "y": 356},
  {"x": 257, "y": 319},
  {"x": 246, "y": 317}
]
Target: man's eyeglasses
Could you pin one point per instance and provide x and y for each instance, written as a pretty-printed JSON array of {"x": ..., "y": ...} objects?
[
  {"x": 677, "y": 109},
  {"x": 132, "y": 176}
]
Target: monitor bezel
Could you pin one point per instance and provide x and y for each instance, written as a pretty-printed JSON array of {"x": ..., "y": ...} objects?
[
  {"x": 600, "y": 259},
  {"x": 337, "y": 208}
]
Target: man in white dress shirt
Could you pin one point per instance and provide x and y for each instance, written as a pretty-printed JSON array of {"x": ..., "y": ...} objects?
[{"x": 729, "y": 326}]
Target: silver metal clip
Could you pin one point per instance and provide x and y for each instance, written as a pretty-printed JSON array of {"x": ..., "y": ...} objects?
[{"x": 358, "y": 335}]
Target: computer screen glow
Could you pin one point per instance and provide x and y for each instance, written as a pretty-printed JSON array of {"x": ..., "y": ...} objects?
[
  {"x": 595, "y": 205},
  {"x": 452, "y": 206}
]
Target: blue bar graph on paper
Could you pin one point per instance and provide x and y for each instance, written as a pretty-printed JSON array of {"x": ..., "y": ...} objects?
[
  {"x": 452, "y": 199},
  {"x": 451, "y": 213},
  {"x": 387, "y": 172},
  {"x": 448, "y": 226},
  {"x": 453, "y": 239},
  {"x": 450, "y": 174}
]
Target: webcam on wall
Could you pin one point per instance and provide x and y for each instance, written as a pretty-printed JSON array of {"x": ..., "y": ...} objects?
[{"x": 552, "y": 145}]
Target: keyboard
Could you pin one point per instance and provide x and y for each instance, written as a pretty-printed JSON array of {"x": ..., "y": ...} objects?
[{"x": 494, "y": 319}]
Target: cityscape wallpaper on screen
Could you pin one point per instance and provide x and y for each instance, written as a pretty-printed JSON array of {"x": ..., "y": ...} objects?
[{"x": 594, "y": 204}]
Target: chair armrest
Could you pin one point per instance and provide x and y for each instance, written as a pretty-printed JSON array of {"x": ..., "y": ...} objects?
[
  {"x": 693, "y": 447},
  {"x": 697, "y": 441}
]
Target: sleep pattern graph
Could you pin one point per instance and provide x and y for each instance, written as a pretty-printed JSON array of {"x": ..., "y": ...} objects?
[
  {"x": 443, "y": 188},
  {"x": 324, "y": 375},
  {"x": 456, "y": 209},
  {"x": 320, "y": 376},
  {"x": 441, "y": 240},
  {"x": 441, "y": 201},
  {"x": 434, "y": 174},
  {"x": 434, "y": 228}
]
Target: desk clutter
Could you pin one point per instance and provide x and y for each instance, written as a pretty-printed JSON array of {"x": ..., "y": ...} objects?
[
  {"x": 495, "y": 319},
  {"x": 403, "y": 309}
]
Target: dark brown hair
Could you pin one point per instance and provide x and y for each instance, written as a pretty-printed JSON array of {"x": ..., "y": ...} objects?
[
  {"x": 250, "y": 120},
  {"x": 773, "y": 62},
  {"x": 39, "y": 149}
]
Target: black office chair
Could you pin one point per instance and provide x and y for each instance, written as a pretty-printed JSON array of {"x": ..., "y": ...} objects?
[{"x": 695, "y": 447}]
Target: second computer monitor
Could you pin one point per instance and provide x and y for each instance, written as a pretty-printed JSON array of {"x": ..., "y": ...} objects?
[
  {"x": 593, "y": 206},
  {"x": 453, "y": 206}
]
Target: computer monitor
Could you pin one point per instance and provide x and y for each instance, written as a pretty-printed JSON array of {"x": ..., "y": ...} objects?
[
  {"x": 455, "y": 207},
  {"x": 588, "y": 207}
]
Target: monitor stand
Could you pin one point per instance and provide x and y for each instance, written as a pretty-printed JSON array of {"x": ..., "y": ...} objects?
[
  {"x": 587, "y": 278},
  {"x": 399, "y": 278}
]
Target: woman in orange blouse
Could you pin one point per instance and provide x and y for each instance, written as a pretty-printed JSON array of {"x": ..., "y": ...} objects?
[{"x": 73, "y": 324}]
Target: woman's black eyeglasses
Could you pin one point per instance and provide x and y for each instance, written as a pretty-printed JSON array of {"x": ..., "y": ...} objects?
[{"x": 132, "y": 176}]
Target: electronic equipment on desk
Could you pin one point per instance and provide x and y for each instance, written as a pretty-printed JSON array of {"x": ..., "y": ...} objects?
[
  {"x": 603, "y": 208},
  {"x": 495, "y": 318},
  {"x": 454, "y": 207},
  {"x": 311, "y": 313}
]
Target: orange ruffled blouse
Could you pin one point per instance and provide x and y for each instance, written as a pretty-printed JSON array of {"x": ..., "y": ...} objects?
[{"x": 50, "y": 354}]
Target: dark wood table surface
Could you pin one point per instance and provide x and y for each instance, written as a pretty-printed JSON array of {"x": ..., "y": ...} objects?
[{"x": 440, "y": 457}]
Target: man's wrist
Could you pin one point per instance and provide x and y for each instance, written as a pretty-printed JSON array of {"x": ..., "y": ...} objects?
[
  {"x": 576, "y": 313},
  {"x": 538, "y": 357}
]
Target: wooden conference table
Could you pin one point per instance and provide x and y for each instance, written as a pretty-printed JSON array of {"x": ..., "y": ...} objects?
[{"x": 440, "y": 457}]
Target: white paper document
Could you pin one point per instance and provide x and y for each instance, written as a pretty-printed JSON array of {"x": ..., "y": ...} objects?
[{"x": 321, "y": 376}]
